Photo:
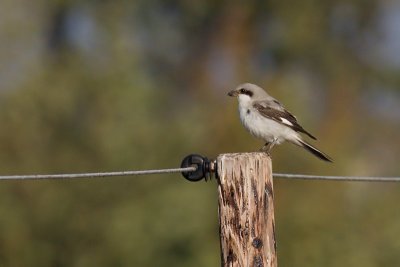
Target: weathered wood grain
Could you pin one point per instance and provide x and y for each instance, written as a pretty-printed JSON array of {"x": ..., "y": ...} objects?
[{"x": 246, "y": 210}]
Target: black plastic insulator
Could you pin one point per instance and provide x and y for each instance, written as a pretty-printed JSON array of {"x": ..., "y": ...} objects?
[{"x": 202, "y": 165}]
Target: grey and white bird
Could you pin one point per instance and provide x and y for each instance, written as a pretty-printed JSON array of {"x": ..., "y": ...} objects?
[{"x": 266, "y": 118}]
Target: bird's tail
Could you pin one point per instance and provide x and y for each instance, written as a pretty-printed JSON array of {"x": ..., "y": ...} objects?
[{"x": 313, "y": 150}]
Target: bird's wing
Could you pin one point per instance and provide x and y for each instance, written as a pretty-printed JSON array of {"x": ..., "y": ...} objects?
[{"x": 280, "y": 115}]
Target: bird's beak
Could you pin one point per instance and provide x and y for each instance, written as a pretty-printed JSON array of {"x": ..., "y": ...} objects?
[{"x": 233, "y": 93}]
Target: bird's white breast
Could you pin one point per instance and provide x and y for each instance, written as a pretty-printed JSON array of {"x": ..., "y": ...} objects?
[{"x": 264, "y": 128}]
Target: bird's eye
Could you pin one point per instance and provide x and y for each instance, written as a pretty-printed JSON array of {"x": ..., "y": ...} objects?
[{"x": 242, "y": 91}]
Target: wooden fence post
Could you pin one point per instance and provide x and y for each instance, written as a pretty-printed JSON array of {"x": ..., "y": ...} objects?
[{"x": 246, "y": 210}]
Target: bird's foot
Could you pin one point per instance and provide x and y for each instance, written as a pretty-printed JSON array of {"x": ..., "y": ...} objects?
[{"x": 267, "y": 148}]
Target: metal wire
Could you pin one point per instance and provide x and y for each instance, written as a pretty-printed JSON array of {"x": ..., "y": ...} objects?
[
  {"x": 188, "y": 169},
  {"x": 94, "y": 174},
  {"x": 336, "y": 178}
]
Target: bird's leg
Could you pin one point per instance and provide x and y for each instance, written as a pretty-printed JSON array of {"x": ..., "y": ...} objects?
[
  {"x": 268, "y": 147},
  {"x": 265, "y": 147}
]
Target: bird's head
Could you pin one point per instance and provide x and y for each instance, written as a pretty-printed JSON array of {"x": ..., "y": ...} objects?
[{"x": 248, "y": 92}]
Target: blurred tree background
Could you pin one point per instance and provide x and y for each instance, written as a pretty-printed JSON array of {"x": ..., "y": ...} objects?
[{"x": 114, "y": 85}]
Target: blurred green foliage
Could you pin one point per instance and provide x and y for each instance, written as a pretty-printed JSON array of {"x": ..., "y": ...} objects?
[{"x": 115, "y": 85}]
